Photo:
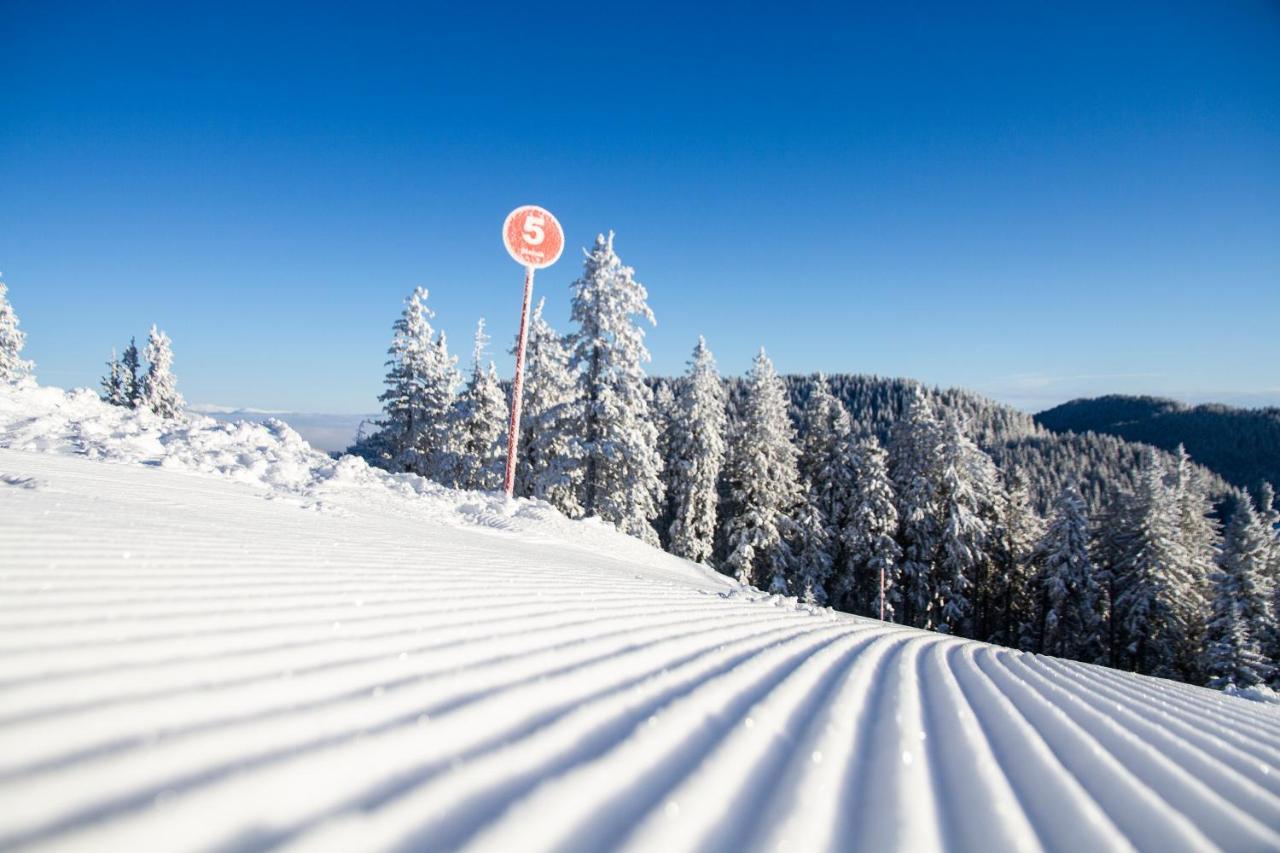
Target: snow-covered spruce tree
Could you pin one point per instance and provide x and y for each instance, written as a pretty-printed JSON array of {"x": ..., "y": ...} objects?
[
  {"x": 1148, "y": 579},
  {"x": 479, "y": 423},
  {"x": 1069, "y": 617},
  {"x": 915, "y": 458},
  {"x": 825, "y": 463},
  {"x": 1240, "y": 615},
  {"x": 1201, "y": 539},
  {"x": 421, "y": 380},
  {"x": 13, "y": 367},
  {"x": 763, "y": 484},
  {"x": 871, "y": 553},
  {"x": 826, "y": 457},
  {"x": 1019, "y": 530},
  {"x": 1269, "y": 514},
  {"x": 549, "y": 460},
  {"x": 113, "y": 384},
  {"x": 813, "y": 547},
  {"x": 621, "y": 480},
  {"x": 967, "y": 497},
  {"x": 663, "y": 409},
  {"x": 697, "y": 454},
  {"x": 131, "y": 365},
  {"x": 159, "y": 391}
]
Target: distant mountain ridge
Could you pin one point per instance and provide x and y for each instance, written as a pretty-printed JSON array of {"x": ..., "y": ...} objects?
[{"x": 1240, "y": 445}]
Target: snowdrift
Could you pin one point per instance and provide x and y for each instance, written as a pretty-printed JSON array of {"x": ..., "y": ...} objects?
[{"x": 214, "y": 637}]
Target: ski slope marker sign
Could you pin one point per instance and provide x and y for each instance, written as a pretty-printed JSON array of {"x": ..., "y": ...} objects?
[{"x": 533, "y": 237}]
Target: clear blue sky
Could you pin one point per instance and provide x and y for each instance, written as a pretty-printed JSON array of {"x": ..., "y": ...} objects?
[{"x": 1033, "y": 200}]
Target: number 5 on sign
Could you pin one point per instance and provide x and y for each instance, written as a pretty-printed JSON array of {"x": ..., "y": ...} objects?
[
  {"x": 534, "y": 240},
  {"x": 533, "y": 237}
]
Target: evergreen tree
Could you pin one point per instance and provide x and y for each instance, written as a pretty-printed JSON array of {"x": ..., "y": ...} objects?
[
  {"x": 764, "y": 484},
  {"x": 12, "y": 339},
  {"x": 813, "y": 561},
  {"x": 826, "y": 470},
  {"x": 550, "y": 454},
  {"x": 1269, "y": 513},
  {"x": 825, "y": 442},
  {"x": 966, "y": 501},
  {"x": 421, "y": 382},
  {"x": 1069, "y": 623},
  {"x": 1147, "y": 578},
  {"x": 1200, "y": 538},
  {"x": 697, "y": 453},
  {"x": 915, "y": 456},
  {"x": 1269, "y": 516},
  {"x": 1241, "y": 614},
  {"x": 622, "y": 471},
  {"x": 113, "y": 384},
  {"x": 479, "y": 422},
  {"x": 159, "y": 391},
  {"x": 663, "y": 408},
  {"x": 871, "y": 553},
  {"x": 131, "y": 365},
  {"x": 1018, "y": 533}
]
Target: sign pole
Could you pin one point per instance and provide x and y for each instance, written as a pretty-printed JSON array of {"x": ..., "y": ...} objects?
[
  {"x": 517, "y": 386},
  {"x": 882, "y": 593},
  {"x": 534, "y": 239}
]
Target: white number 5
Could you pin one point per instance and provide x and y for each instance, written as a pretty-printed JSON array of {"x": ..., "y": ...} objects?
[{"x": 533, "y": 233}]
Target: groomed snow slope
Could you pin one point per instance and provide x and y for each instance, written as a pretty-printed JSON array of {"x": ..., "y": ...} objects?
[{"x": 225, "y": 641}]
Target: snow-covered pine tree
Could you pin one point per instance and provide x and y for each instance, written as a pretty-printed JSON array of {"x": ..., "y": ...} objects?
[
  {"x": 1069, "y": 617},
  {"x": 826, "y": 469},
  {"x": 1147, "y": 577},
  {"x": 550, "y": 454},
  {"x": 1270, "y": 515},
  {"x": 1268, "y": 511},
  {"x": 159, "y": 391},
  {"x": 131, "y": 364},
  {"x": 1111, "y": 542},
  {"x": 1241, "y": 614},
  {"x": 697, "y": 454},
  {"x": 663, "y": 408},
  {"x": 871, "y": 553},
  {"x": 967, "y": 497},
  {"x": 1201, "y": 539},
  {"x": 826, "y": 457},
  {"x": 814, "y": 545},
  {"x": 13, "y": 367},
  {"x": 421, "y": 381},
  {"x": 915, "y": 457},
  {"x": 113, "y": 384},
  {"x": 1019, "y": 530},
  {"x": 479, "y": 423},
  {"x": 622, "y": 471},
  {"x": 763, "y": 482}
]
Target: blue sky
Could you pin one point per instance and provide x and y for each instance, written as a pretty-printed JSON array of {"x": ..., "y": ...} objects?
[{"x": 1036, "y": 201}]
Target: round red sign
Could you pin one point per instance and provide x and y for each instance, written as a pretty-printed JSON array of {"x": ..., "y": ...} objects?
[{"x": 533, "y": 237}]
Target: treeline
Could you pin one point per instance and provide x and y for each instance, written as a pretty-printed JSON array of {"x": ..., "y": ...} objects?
[
  {"x": 936, "y": 509},
  {"x": 1242, "y": 445}
]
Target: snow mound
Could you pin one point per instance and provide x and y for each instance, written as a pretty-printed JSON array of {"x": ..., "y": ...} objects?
[
  {"x": 193, "y": 658},
  {"x": 272, "y": 458}
]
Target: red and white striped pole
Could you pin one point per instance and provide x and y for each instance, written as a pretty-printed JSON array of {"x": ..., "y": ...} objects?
[
  {"x": 535, "y": 240},
  {"x": 517, "y": 386}
]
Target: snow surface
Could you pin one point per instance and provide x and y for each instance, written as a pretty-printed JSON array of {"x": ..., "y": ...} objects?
[{"x": 227, "y": 640}]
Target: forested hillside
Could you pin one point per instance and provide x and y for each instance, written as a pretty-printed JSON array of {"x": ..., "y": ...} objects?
[
  {"x": 1241, "y": 445},
  {"x": 1100, "y": 465}
]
